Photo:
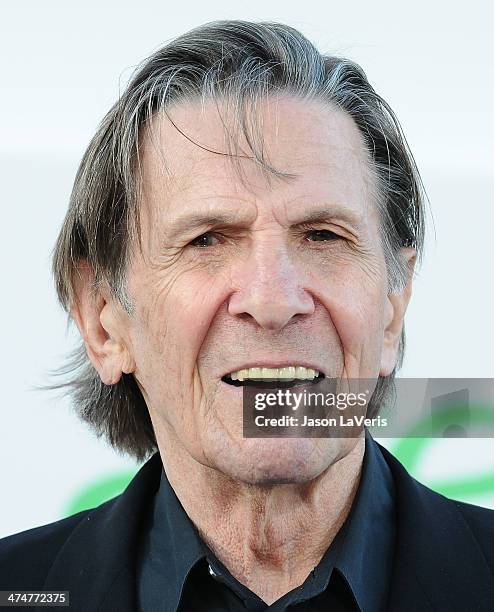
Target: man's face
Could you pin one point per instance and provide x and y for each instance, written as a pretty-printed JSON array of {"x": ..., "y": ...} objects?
[{"x": 240, "y": 274}]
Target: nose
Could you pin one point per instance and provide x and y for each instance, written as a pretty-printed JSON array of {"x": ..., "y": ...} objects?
[{"x": 269, "y": 289}]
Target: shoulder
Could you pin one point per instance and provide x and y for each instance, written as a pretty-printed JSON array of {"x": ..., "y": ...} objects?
[
  {"x": 427, "y": 514},
  {"x": 102, "y": 537},
  {"x": 26, "y": 557}
]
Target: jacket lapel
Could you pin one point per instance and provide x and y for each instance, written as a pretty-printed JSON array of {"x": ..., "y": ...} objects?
[
  {"x": 97, "y": 563},
  {"x": 438, "y": 563}
]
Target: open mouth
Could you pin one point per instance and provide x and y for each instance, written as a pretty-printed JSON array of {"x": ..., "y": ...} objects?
[{"x": 269, "y": 378}]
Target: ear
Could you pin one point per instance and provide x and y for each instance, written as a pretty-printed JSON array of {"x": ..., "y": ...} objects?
[
  {"x": 396, "y": 305},
  {"x": 102, "y": 325}
]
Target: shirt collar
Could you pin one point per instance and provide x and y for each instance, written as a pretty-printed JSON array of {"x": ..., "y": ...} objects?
[
  {"x": 170, "y": 549},
  {"x": 365, "y": 556}
]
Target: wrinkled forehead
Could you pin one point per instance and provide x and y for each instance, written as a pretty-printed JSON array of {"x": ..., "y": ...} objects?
[{"x": 197, "y": 153}]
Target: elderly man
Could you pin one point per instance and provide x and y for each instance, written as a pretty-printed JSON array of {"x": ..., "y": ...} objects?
[{"x": 248, "y": 210}]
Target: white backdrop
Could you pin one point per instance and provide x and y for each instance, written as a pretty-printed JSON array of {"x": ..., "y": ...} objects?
[{"x": 62, "y": 65}]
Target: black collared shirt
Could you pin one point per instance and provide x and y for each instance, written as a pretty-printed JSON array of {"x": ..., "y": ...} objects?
[{"x": 177, "y": 571}]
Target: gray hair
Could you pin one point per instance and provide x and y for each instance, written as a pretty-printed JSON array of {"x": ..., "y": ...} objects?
[{"x": 238, "y": 63}]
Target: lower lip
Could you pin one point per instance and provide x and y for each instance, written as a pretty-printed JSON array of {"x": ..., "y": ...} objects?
[{"x": 238, "y": 389}]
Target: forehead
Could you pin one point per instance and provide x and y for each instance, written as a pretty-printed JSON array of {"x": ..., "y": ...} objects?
[{"x": 185, "y": 162}]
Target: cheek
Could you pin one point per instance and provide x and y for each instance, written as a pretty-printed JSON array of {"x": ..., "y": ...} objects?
[
  {"x": 174, "y": 321},
  {"x": 355, "y": 304}
]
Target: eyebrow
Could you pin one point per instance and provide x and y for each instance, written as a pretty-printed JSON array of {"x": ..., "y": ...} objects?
[
  {"x": 189, "y": 222},
  {"x": 328, "y": 213}
]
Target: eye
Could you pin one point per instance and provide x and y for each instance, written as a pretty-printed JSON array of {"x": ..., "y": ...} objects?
[
  {"x": 204, "y": 240},
  {"x": 322, "y": 235}
]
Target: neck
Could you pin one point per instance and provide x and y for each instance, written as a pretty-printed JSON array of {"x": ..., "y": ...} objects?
[{"x": 269, "y": 537}]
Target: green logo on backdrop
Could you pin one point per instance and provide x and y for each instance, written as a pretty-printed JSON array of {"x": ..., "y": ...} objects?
[{"x": 411, "y": 450}]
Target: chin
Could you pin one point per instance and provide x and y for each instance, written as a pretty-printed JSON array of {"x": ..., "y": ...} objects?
[{"x": 272, "y": 461}]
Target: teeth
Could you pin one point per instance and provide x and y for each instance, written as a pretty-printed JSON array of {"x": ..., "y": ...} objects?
[{"x": 287, "y": 373}]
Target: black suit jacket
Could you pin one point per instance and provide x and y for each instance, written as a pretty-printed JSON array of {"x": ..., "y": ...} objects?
[{"x": 444, "y": 558}]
